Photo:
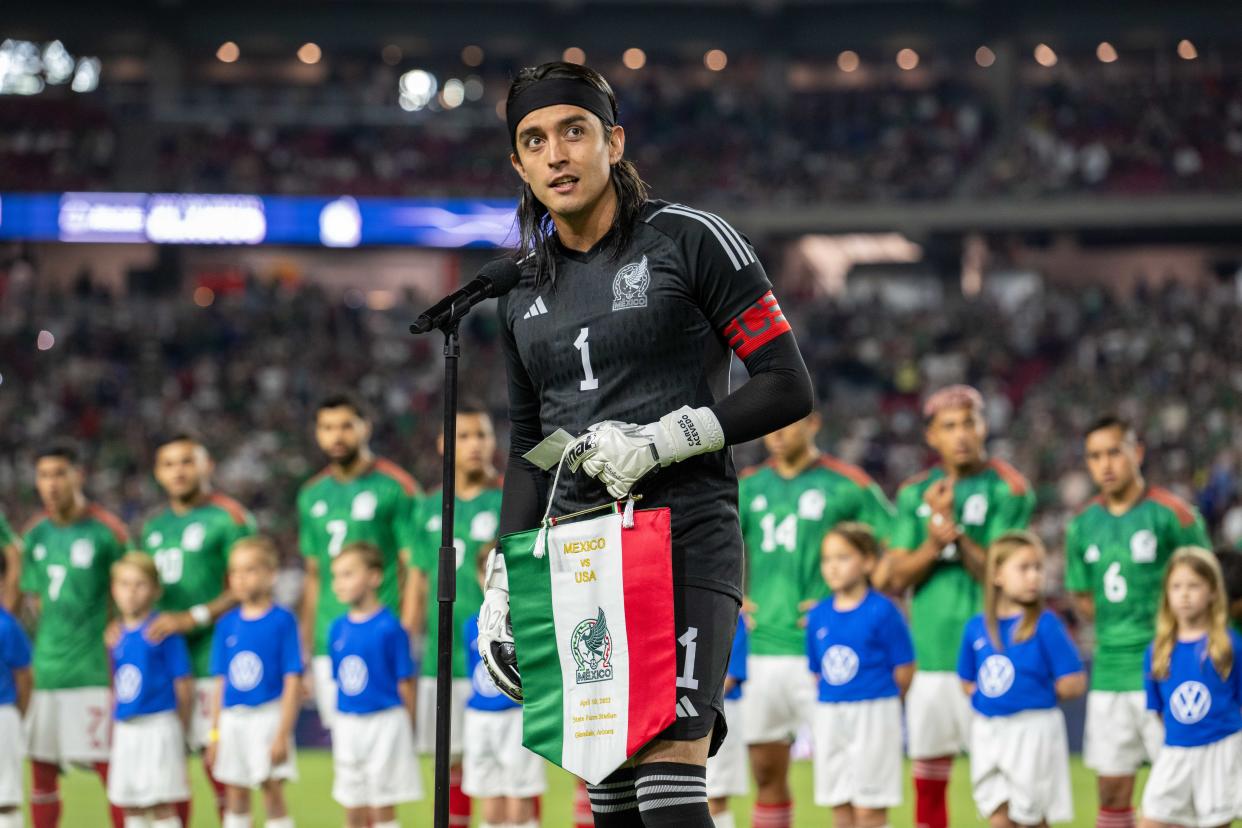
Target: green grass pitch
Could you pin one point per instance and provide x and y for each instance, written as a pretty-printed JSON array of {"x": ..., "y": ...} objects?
[{"x": 311, "y": 798}]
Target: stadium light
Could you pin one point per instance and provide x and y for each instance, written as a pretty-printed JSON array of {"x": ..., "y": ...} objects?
[
  {"x": 715, "y": 59},
  {"x": 1105, "y": 52},
  {"x": 907, "y": 59},
  {"x": 472, "y": 55},
  {"x": 1044, "y": 55},
  {"x": 45, "y": 340},
  {"x": 985, "y": 57},
  {"x": 58, "y": 64},
  {"x": 204, "y": 296},
  {"x": 309, "y": 53},
  {"x": 416, "y": 89},
  {"x": 228, "y": 52},
  {"x": 86, "y": 77},
  {"x": 1186, "y": 50},
  {"x": 634, "y": 58},
  {"x": 848, "y": 61},
  {"x": 453, "y": 94},
  {"x": 574, "y": 55},
  {"x": 474, "y": 88}
]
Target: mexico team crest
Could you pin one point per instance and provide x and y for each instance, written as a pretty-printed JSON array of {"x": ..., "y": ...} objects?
[
  {"x": 629, "y": 286},
  {"x": 592, "y": 648}
]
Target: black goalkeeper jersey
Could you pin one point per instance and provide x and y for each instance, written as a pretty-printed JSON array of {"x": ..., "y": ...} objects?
[{"x": 632, "y": 338}]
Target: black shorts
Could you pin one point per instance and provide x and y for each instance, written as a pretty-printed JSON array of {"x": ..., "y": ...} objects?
[{"x": 704, "y": 621}]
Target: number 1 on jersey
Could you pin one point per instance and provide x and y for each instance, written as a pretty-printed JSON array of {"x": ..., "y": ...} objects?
[{"x": 584, "y": 347}]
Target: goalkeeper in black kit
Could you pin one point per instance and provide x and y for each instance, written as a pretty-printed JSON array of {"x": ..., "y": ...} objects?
[{"x": 621, "y": 331}]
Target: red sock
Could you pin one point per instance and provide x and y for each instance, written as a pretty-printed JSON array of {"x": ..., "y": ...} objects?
[
  {"x": 459, "y": 803},
  {"x": 118, "y": 814},
  {"x": 931, "y": 787},
  {"x": 218, "y": 787},
  {"x": 44, "y": 794},
  {"x": 537, "y": 805},
  {"x": 582, "y": 808},
  {"x": 183, "y": 812},
  {"x": 772, "y": 816},
  {"x": 1108, "y": 818}
]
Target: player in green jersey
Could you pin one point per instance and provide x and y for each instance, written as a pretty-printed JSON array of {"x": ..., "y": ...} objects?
[
  {"x": 787, "y": 506},
  {"x": 69, "y": 550},
  {"x": 1116, "y": 551},
  {"x": 946, "y": 517},
  {"x": 475, "y": 522},
  {"x": 190, "y": 539},
  {"x": 11, "y": 549},
  {"x": 358, "y": 497}
]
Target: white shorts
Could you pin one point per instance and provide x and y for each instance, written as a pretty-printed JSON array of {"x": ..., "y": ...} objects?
[
  {"x": 1022, "y": 760},
  {"x": 11, "y": 756},
  {"x": 857, "y": 753},
  {"x": 373, "y": 759},
  {"x": 1121, "y": 733},
  {"x": 244, "y": 753},
  {"x": 324, "y": 689},
  {"x": 727, "y": 771},
  {"x": 75, "y": 725},
  {"x": 200, "y": 713},
  {"x": 494, "y": 762},
  {"x": 778, "y": 699},
  {"x": 148, "y": 767},
  {"x": 1196, "y": 787},
  {"x": 938, "y": 716},
  {"x": 425, "y": 720}
]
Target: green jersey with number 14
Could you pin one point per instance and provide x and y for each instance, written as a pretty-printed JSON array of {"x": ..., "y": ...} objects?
[
  {"x": 373, "y": 506},
  {"x": 191, "y": 551},
  {"x": 1120, "y": 560},
  {"x": 986, "y": 505},
  {"x": 474, "y": 525},
  {"x": 69, "y": 566},
  {"x": 784, "y": 521}
]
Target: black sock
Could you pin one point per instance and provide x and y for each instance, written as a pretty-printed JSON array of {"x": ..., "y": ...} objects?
[
  {"x": 672, "y": 795},
  {"x": 613, "y": 802}
]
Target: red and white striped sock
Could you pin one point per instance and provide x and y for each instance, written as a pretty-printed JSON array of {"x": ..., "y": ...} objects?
[
  {"x": 582, "y": 808},
  {"x": 459, "y": 803},
  {"x": 772, "y": 816},
  {"x": 1115, "y": 818},
  {"x": 931, "y": 787}
]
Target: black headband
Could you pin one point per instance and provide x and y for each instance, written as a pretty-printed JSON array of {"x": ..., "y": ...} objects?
[{"x": 553, "y": 91}]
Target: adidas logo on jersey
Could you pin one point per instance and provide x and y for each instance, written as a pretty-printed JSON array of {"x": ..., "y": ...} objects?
[
  {"x": 686, "y": 710},
  {"x": 537, "y": 308}
]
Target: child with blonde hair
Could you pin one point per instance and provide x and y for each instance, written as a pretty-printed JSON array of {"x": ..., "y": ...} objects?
[
  {"x": 1193, "y": 681},
  {"x": 1017, "y": 661},
  {"x": 152, "y": 684}
]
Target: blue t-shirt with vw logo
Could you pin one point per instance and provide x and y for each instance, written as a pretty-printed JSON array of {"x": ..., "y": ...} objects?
[
  {"x": 485, "y": 695},
  {"x": 1197, "y": 705},
  {"x": 144, "y": 674},
  {"x": 1018, "y": 676},
  {"x": 255, "y": 654},
  {"x": 855, "y": 651},
  {"x": 737, "y": 660},
  {"x": 14, "y": 655},
  {"x": 370, "y": 658}
]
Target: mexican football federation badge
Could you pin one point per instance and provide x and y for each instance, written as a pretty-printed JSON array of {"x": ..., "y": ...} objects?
[
  {"x": 629, "y": 286},
  {"x": 592, "y": 648}
]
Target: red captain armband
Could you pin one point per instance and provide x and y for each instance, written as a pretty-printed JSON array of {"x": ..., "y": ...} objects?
[{"x": 756, "y": 326}]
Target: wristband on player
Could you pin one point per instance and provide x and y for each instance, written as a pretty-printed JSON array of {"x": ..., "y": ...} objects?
[{"x": 201, "y": 615}]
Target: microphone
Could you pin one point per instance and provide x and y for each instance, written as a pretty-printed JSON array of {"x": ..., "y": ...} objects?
[{"x": 497, "y": 278}]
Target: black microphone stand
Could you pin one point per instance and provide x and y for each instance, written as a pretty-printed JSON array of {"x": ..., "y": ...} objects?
[{"x": 446, "y": 594}]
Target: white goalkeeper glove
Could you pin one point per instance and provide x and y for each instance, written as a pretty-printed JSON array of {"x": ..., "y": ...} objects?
[
  {"x": 496, "y": 630},
  {"x": 618, "y": 455}
]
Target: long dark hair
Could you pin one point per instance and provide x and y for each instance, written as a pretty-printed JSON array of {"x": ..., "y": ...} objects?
[{"x": 533, "y": 220}]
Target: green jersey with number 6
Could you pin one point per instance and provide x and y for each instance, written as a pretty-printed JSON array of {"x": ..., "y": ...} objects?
[
  {"x": 191, "y": 551},
  {"x": 1120, "y": 560},
  {"x": 475, "y": 522},
  {"x": 986, "y": 505},
  {"x": 784, "y": 521},
  {"x": 69, "y": 567},
  {"x": 373, "y": 506}
]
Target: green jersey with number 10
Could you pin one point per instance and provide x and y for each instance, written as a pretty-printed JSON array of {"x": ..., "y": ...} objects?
[
  {"x": 1120, "y": 560},
  {"x": 69, "y": 566},
  {"x": 373, "y": 506},
  {"x": 191, "y": 551},
  {"x": 986, "y": 505},
  {"x": 784, "y": 521}
]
